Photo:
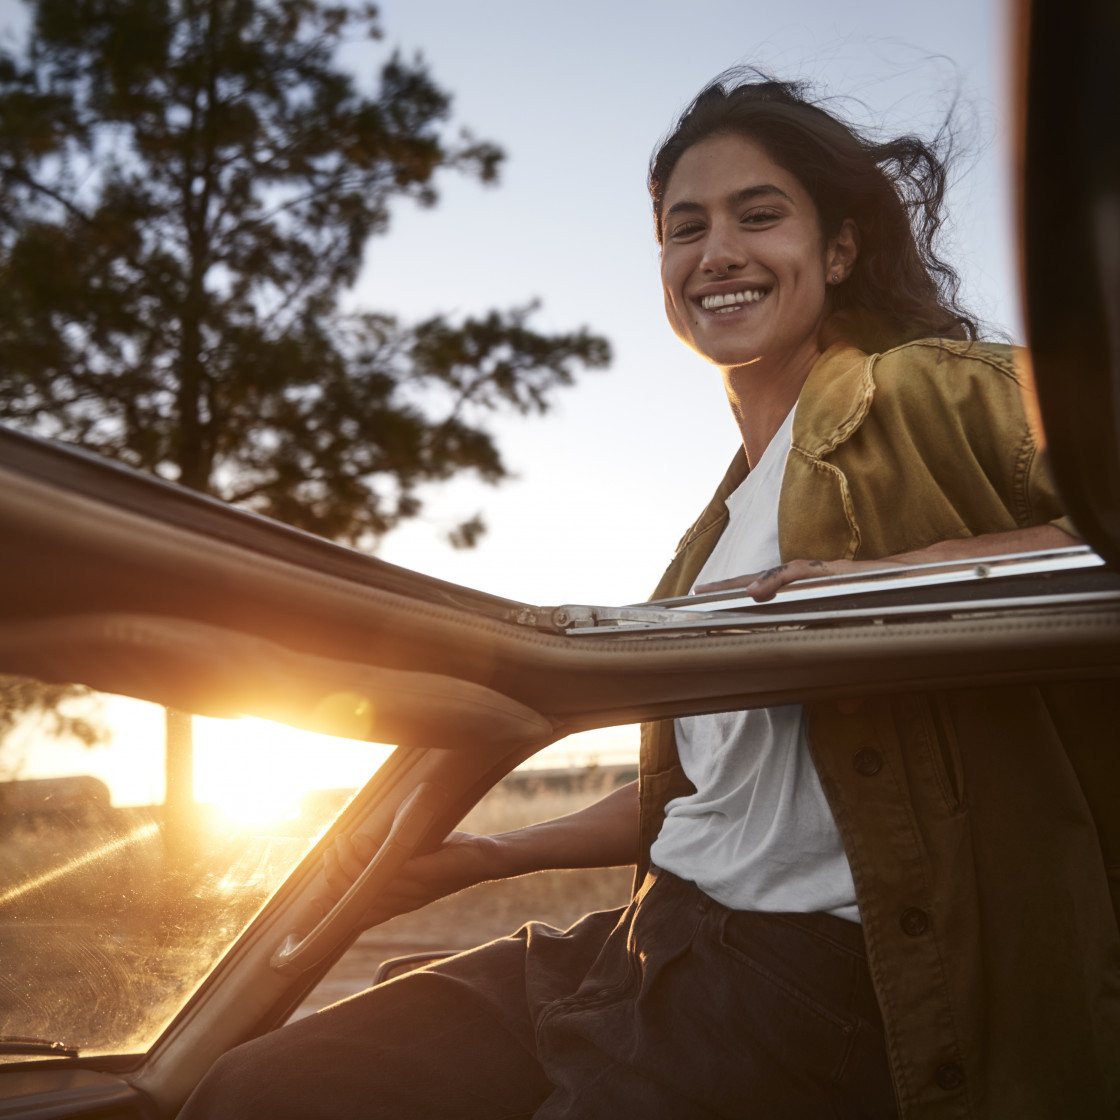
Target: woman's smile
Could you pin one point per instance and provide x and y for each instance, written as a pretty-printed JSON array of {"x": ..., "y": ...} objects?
[
  {"x": 744, "y": 264},
  {"x": 727, "y": 302}
]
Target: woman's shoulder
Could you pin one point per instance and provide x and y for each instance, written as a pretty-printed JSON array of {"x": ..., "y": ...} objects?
[
  {"x": 924, "y": 387},
  {"x": 934, "y": 386},
  {"x": 946, "y": 360}
]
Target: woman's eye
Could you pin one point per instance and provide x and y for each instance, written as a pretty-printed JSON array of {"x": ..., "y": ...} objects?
[
  {"x": 685, "y": 231},
  {"x": 760, "y": 217}
]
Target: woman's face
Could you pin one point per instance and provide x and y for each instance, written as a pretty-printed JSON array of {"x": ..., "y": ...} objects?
[{"x": 744, "y": 265}]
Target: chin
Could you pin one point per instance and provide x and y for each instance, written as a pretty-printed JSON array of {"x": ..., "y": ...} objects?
[{"x": 728, "y": 357}]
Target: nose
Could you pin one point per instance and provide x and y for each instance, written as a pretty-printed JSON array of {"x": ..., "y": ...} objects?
[{"x": 724, "y": 249}]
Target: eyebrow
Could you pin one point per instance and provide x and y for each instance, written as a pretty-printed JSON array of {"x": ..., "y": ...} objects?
[{"x": 747, "y": 194}]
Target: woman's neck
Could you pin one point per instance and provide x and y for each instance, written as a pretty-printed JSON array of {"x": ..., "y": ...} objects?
[{"x": 761, "y": 396}]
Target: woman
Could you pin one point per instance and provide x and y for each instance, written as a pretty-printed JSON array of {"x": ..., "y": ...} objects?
[{"x": 833, "y": 922}]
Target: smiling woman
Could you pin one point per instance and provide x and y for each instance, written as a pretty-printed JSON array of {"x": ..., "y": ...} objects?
[{"x": 830, "y": 911}]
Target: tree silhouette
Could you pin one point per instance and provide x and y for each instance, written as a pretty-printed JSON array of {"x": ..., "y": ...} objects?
[{"x": 186, "y": 189}]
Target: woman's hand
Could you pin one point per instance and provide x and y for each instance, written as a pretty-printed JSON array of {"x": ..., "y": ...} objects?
[
  {"x": 462, "y": 860},
  {"x": 765, "y": 585},
  {"x": 604, "y": 834}
]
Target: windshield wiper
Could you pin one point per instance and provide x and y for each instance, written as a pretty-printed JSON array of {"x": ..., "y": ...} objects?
[{"x": 13, "y": 1044}]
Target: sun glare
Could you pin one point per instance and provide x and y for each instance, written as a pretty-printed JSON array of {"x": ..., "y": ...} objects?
[
  {"x": 251, "y": 771},
  {"x": 255, "y": 771}
]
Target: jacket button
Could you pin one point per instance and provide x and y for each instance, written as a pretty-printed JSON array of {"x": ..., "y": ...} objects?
[
  {"x": 949, "y": 1076},
  {"x": 867, "y": 762},
  {"x": 914, "y": 922}
]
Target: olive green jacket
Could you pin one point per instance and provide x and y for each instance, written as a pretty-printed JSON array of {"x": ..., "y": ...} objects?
[{"x": 981, "y": 825}]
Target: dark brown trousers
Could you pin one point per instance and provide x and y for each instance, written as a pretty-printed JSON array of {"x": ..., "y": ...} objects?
[{"x": 673, "y": 1008}]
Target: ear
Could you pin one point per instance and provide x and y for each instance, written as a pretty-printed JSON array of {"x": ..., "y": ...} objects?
[{"x": 842, "y": 252}]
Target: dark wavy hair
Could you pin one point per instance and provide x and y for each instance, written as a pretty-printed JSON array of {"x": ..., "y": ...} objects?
[{"x": 899, "y": 288}]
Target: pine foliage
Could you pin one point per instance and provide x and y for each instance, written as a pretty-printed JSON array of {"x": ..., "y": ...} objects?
[{"x": 187, "y": 187}]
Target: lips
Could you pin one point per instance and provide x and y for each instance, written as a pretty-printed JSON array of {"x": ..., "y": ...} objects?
[{"x": 724, "y": 302}]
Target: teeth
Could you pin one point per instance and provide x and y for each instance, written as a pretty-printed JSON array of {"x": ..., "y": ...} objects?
[{"x": 730, "y": 300}]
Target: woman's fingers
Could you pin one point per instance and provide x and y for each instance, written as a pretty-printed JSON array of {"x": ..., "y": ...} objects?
[
  {"x": 765, "y": 585},
  {"x": 459, "y": 862},
  {"x": 345, "y": 861},
  {"x": 761, "y": 586},
  {"x": 352, "y": 853},
  {"x": 726, "y": 584}
]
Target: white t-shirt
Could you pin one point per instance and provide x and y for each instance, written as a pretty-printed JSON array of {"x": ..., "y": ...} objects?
[{"x": 758, "y": 833}]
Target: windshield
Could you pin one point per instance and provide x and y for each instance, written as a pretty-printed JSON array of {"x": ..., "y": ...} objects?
[{"x": 137, "y": 845}]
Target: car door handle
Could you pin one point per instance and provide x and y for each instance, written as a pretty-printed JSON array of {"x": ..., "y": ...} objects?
[{"x": 414, "y": 818}]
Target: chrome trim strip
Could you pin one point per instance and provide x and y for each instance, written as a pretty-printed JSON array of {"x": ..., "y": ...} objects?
[
  {"x": 666, "y": 622},
  {"x": 898, "y": 578}
]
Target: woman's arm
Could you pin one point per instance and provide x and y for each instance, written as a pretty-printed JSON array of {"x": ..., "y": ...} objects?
[
  {"x": 1033, "y": 539},
  {"x": 604, "y": 834}
]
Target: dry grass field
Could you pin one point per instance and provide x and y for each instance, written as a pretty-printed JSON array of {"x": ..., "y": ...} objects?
[{"x": 491, "y": 910}]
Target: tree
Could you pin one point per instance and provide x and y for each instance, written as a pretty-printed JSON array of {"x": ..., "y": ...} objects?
[
  {"x": 186, "y": 189},
  {"x": 61, "y": 711},
  {"x": 20, "y": 695}
]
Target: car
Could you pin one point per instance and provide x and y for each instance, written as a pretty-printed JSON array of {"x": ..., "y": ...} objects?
[{"x": 143, "y": 938}]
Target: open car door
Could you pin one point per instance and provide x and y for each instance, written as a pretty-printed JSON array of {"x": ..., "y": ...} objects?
[{"x": 180, "y": 937}]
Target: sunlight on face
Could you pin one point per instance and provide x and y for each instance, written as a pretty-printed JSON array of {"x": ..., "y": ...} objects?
[{"x": 255, "y": 771}]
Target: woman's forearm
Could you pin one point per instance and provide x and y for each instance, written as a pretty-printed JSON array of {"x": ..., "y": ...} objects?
[
  {"x": 1034, "y": 538},
  {"x": 605, "y": 834},
  {"x": 763, "y": 586}
]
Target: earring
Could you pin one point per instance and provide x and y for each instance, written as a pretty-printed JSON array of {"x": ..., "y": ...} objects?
[{"x": 836, "y": 277}]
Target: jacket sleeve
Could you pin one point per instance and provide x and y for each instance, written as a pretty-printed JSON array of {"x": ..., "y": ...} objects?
[{"x": 942, "y": 451}]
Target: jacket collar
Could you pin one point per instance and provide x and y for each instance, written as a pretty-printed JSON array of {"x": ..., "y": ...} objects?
[{"x": 834, "y": 400}]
